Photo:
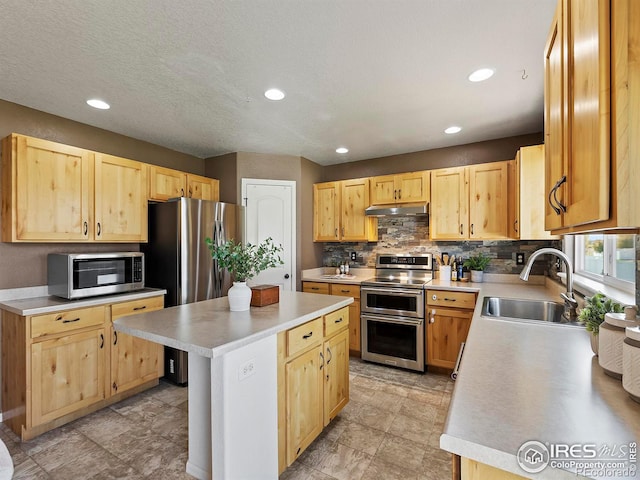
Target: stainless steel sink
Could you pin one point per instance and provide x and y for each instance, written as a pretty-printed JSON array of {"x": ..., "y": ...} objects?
[{"x": 525, "y": 310}]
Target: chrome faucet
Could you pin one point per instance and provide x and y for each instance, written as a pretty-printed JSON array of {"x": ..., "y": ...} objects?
[{"x": 570, "y": 303}]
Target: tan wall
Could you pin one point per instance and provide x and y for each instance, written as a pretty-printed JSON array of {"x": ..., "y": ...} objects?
[
  {"x": 224, "y": 168},
  {"x": 480, "y": 152},
  {"x": 25, "y": 265},
  {"x": 311, "y": 253}
]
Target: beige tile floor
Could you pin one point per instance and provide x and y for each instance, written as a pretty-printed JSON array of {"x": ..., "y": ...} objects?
[{"x": 389, "y": 430}]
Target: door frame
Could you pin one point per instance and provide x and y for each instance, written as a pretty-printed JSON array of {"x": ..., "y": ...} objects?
[{"x": 294, "y": 226}]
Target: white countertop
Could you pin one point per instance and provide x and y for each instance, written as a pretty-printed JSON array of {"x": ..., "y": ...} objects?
[
  {"x": 48, "y": 304},
  {"x": 522, "y": 381},
  {"x": 210, "y": 329},
  {"x": 326, "y": 274}
]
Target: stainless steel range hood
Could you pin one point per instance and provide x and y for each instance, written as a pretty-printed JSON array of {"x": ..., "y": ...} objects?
[{"x": 409, "y": 209}]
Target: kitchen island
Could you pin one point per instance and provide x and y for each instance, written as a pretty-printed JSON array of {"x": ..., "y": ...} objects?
[{"x": 233, "y": 420}]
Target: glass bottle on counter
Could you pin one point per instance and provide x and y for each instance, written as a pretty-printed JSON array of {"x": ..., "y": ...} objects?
[{"x": 460, "y": 269}]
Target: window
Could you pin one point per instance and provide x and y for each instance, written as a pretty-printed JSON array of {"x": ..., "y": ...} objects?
[{"x": 609, "y": 259}]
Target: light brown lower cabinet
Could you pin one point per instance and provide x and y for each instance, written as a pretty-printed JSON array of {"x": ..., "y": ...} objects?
[
  {"x": 449, "y": 315},
  {"x": 313, "y": 381},
  {"x": 134, "y": 361},
  {"x": 343, "y": 290},
  {"x": 60, "y": 366}
]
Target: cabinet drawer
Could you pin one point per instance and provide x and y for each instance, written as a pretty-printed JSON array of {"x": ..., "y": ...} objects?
[
  {"x": 447, "y": 298},
  {"x": 315, "y": 287},
  {"x": 61, "y": 322},
  {"x": 336, "y": 321},
  {"x": 136, "y": 306},
  {"x": 304, "y": 336},
  {"x": 345, "y": 290}
]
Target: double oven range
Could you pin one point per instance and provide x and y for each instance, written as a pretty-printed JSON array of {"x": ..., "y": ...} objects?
[{"x": 392, "y": 310}]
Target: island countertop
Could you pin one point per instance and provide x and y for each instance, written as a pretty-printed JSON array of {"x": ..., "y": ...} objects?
[{"x": 210, "y": 329}]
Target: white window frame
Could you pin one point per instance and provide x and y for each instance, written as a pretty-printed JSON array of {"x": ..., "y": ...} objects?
[{"x": 574, "y": 245}]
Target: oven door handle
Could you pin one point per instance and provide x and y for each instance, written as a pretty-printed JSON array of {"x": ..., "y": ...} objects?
[
  {"x": 399, "y": 321},
  {"x": 394, "y": 291}
]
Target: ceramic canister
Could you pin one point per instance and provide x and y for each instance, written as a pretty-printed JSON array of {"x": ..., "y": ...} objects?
[
  {"x": 631, "y": 363},
  {"x": 611, "y": 339}
]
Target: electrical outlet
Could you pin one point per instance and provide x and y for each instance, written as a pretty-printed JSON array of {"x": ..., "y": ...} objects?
[
  {"x": 520, "y": 258},
  {"x": 353, "y": 256},
  {"x": 247, "y": 369}
]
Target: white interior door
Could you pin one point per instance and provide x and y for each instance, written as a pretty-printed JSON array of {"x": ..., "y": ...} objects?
[{"x": 271, "y": 212}]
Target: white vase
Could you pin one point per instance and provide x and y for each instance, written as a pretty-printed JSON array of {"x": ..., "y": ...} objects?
[
  {"x": 239, "y": 297},
  {"x": 476, "y": 275}
]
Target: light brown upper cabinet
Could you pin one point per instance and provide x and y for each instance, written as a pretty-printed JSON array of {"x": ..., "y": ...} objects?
[
  {"x": 410, "y": 187},
  {"x": 592, "y": 91},
  {"x": 527, "y": 196},
  {"x": 120, "y": 199},
  {"x": 57, "y": 193},
  {"x": 469, "y": 202},
  {"x": 338, "y": 212},
  {"x": 166, "y": 183}
]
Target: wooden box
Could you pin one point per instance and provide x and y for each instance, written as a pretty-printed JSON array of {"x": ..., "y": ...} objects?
[{"x": 262, "y": 295}]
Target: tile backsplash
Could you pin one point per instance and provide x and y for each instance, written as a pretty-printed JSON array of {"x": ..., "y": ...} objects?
[{"x": 411, "y": 235}]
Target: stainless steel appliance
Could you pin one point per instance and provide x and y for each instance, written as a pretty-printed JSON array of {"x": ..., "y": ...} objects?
[
  {"x": 80, "y": 275},
  {"x": 392, "y": 310},
  {"x": 178, "y": 260}
]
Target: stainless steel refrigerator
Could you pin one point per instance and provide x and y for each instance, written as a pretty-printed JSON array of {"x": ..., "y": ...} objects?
[{"x": 178, "y": 260}]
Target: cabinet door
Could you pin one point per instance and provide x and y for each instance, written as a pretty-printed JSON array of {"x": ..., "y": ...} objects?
[
  {"x": 134, "y": 361},
  {"x": 588, "y": 171},
  {"x": 120, "y": 199},
  {"x": 413, "y": 187},
  {"x": 446, "y": 330},
  {"x": 488, "y": 211},
  {"x": 326, "y": 212},
  {"x": 354, "y": 312},
  {"x": 336, "y": 374},
  {"x": 165, "y": 183},
  {"x": 46, "y": 191},
  {"x": 531, "y": 195},
  {"x": 304, "y": 401},
  {"x": 383, "y": 190},
  {"x": 449, "y": 218},
  {"x": 202, "y": 187},
  {"x": 355, "y": 226},
  {"x": 555, "y": 120},
  {"x": 67, "y": 374}
]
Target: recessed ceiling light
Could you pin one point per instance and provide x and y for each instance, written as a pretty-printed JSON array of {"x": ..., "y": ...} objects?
[
  {"x": 452, "y": 129},
  {"x": 95, "y": 103},
  {"x": 274, "y": 94},
  {"x": 481, "y": 75},
  {"x": 342, "y": 150}
]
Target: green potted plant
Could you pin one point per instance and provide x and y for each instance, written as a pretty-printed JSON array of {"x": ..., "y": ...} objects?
[
  {"x": 476, "y": 264},
  {"x": 592, "y": 315},
  {"x": 244, "y": 261}
]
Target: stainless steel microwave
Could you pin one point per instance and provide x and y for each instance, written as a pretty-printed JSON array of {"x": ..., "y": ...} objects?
[{"x": 72, "y": 276}]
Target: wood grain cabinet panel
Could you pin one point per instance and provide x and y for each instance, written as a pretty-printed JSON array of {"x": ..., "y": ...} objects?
[
  {"x": 470, "y": 202},
  {"x": 55, "y": 192},
  {"x": 166, "y": 183},
  {"x": 449, "y": 315},
  {"x": 46, "y": 191},
  {"x": 592, "y": 87},
  {"x": 339, "y": 212},
  {"x": 402, "y": 188},
  {"x": 120, "y": 199},
  {"x": 60, "y": 366},
  {"x": 134, "y": 361},
  {"x": 313, "y": 383},
  {"x": 353, "y": 291},
  {"x": 67, "y": 374}
]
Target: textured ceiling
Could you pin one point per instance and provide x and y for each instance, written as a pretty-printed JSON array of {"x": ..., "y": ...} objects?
[{"x": 381, "y": 77}]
